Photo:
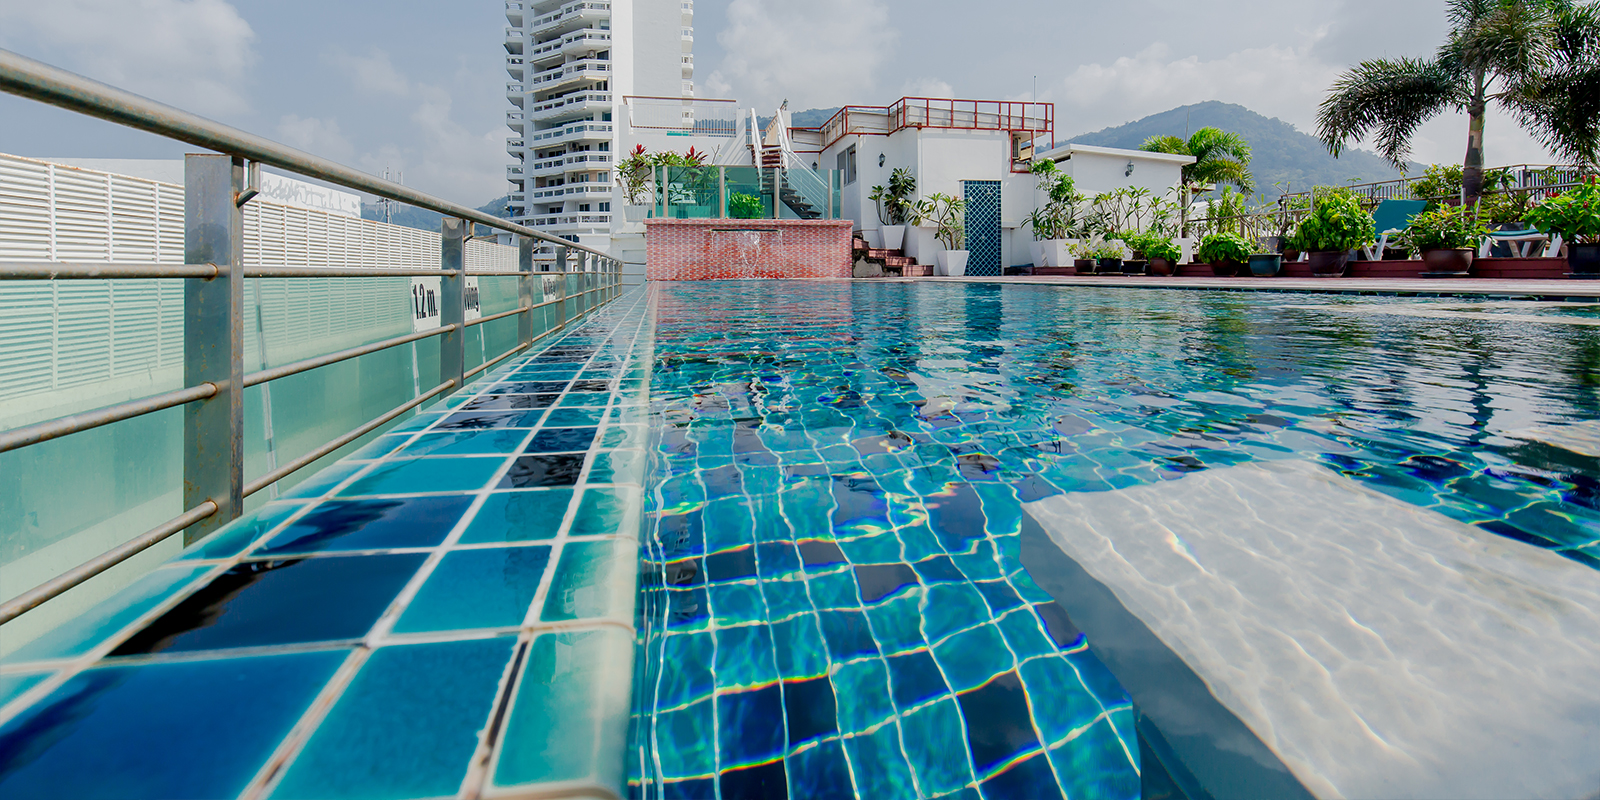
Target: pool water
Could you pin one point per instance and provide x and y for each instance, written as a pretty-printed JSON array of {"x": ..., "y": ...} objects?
[{"x": 831, "y": 600}]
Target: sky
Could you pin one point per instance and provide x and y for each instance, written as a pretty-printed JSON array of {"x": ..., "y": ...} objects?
[{"x": 418, "y": 86}]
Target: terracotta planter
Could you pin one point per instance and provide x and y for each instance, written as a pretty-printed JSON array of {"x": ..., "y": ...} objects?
[
  {"x": 1291, "y": 255},
  {"x": 1226, "y": 269},
  {"x": 1083, "y": 266},
  {"x": 1132, "y": 267},
  {"x": 1455, "y": 263},
  {"x": 1265, "y": 265},
  {"x": 1163, "y": 267},
  {"x": 1329, "y": 263},
  {"x": 1584, "y": 259},
  {"x": 1107, "y": 266}
]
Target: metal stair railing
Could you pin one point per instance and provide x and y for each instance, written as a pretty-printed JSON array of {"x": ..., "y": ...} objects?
[{"x": 217, "y": 187}]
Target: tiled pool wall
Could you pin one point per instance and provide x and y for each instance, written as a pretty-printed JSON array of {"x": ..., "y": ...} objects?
[
  {"x": 447, "y": 611},
  {"x": 833, "y": 605}
]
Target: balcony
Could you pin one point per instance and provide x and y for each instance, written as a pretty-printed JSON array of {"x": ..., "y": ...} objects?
[
  {"x": 567, "y": 105},
  {"x": 585, "y": 40},
  {"x": 514, "y": 120},
  {"x": 514, "y": 41},
  {"x": 516, "y": 94},
  {"x": 574, "y": 132},
  {"x": 516, "y": 67},
  {"x": 514, "y": 172},
  {"x": 688, "y": 64},
  {"x": 514, "y": 13},
  {"x": 549, "y": 166},
  {"x": 515, "y": 146},
  {"x": 583, "y": 12},
  {"x": 591, "y": 69}
]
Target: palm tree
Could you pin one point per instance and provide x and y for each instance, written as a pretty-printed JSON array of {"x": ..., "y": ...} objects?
[
  {"x": 1561, "y": 106},
  {"x": 1506, "y": 44},
  {"x": 1219, "y": 157}
]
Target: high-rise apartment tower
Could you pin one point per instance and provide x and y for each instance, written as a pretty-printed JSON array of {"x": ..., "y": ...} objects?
[{"x": 571, "y": 64}]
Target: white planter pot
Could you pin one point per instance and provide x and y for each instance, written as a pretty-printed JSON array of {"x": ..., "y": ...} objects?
[
  {"x": 1056, "y": 252},
  {"x": 953, "y": 263},
  {"x": 637, "y": 213},
  {"x": 874, "y": 239},
  {"x": 1037, "y": 249},
  {"x": 894, "y": 237}
]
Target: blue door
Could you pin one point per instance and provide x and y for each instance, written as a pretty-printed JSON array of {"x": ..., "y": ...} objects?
[{"x": 983, "y": 226}]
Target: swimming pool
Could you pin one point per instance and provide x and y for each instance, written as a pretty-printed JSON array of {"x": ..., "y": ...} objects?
[{"x": 832, "y": 603}]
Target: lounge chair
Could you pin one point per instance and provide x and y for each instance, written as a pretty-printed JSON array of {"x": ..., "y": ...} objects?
[
  {"x": 1390, "y": 219},
  {"x": 1522, "y": 243}
]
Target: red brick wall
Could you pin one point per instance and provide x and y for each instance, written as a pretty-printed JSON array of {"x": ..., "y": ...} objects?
[{"x": 721, "y": 249}]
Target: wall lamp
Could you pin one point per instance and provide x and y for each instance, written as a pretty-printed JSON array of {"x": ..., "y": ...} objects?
[
  {"x": 1129, "y": 171},
  {"x": 881, "y": 159}
]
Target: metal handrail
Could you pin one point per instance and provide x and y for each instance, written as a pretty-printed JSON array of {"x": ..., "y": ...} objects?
[
  {"x": 74, "y": 423},
  {"x": 80, "y": 270},
  {"x": 306, "y": 365},
  {"x": 501, "y": 315},
  {"x": 37, "y": 80}
]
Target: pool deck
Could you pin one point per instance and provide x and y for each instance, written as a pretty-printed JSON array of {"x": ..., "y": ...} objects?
[{"x": 1418, "y": 287}]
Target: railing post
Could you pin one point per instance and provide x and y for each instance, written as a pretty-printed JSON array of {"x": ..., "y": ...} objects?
[
  {"x": 561, "y": 267},
  {"x": 213, "y": 340},
  {"x": 525, "y": 289},
  {"x": 722, "y": 192},
  {"x": 452, "y": 302}
]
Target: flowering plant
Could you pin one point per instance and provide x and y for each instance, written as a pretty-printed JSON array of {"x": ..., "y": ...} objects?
[
  {"x": 1574, "y": 214},
  {"x": 1445, "y": 228}
]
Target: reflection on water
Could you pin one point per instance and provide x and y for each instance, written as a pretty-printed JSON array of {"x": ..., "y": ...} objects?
[{"x": 840, "y": 469}]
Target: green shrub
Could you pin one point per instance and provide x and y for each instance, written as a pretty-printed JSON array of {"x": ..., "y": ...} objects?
[
  {"x": 745, "y": 206},
  {"x": 1574, "y": 214},
  {"x": 1337, "y": 222},
  {"x": 1219, "y": 247},
  {"x": 1448, "y": 228}
]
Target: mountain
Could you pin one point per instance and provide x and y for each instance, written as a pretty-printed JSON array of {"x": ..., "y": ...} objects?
[
  {"x": 425, "y": 220},
  {"x": 1280, "y": 153}
]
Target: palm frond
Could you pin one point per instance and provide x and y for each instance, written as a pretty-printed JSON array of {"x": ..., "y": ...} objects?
[
  {"x": 1561, "y": 106},
  {"x": 1220, "y": 157},
  {"x": 1512, "y": 40},
  {"x": 1165, "y": 144},
  {"x": 1389, "y": 99}
]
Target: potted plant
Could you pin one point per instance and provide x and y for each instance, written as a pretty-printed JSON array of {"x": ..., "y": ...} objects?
[
  {"x": 1336, "y": 226},
  {"x": 1107, "y": 257},
  {"x": 947, "y": 215},
  {"x": 1227, "y": 253},
  {"x": 1054, "y": 222},
  {"x": 894, "y": 207},
  {"x": 1163, "y": 253},
  {"x": 1083, "y": 255},
  {"x": 1448, "y": 238},
  {"x": 637, "y": 173},
  {"x": 1575, "y": 216},
  {"x": 1137, "y": 261},
  {"x": 1265, "y": 260}
]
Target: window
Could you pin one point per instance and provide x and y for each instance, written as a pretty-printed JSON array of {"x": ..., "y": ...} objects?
[
  {"x": 583, "y": 206},
  {"x": 847, "y": 165},
  {"x": 605, "y": 206}
]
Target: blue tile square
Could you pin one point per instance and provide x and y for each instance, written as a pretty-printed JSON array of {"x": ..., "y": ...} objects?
[
  {"x": 686, "y": 741},
  {"x": 999, "y": 725},
  {"x": 915, "y": 679},
  {"x": 483, "y": 420},
  {"x": 820, "y": 773},
  {"x": 379, "y": 447},
  {"x": 848, "y": 634},
  {"x": 971, "y": 658},
  {"x": 569, "y": 719},
  {"x": 319, "y": 484},
  {"x": 489, "y": 588},
  {"x": 574, "y": 417},
  {"x": 602, "y": 512},
  {"x": 561, "y": 440},
  {"x": 526, "y": 516},
  {"x": 689, "y": 678},
  {"x": 1029, "y": 779},
  {"x": 750, "y": 725},
  {"x": 835, "y": 590},
  {"x": 618, "y": 466},
  {"x": 1025, "y": 635},
  {"x": 532, "y": 472},
  {"x": 132, "y": 732},
  {"x": 415, "y": 475},
  {"x": 1054, "y": 687},
  {"x": 737, "y": 603},
  {"x": 1097, "y": 763},
  {"x": 862, "y": 688},
  {"x": 406, "y": 727},
  {"x": 880, "y": 765},
  {"x": 501, "y": 441},
  {"x": 935, "y": 741},
  {"x": 509, "y": 402},
  {"x": 744, "y": 656},
  {"x": 589, "y": 581},
  {"x": 84, "y": 632},
  {"x": 810, "y": 710},
  {"x": 999, "y": 595},
  {"x": 265, "y": 603},
  {"x": 421, "y": 421},
  {"x": 951, "y": 607},
  {"x": 235, "y": 537},
  {"x": 369, "y": 525},
  {"x": 800, "y": 649}
]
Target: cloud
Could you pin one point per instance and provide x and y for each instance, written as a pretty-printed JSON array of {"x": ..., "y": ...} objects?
[
  {"x": 194, "y": 54},
  {"x": 927, "y": 87},
  {"x": 314, "y": 135},
  {"x": 444, "y": 156},
  {"x": 373, "y": 73},
  {"x": 814, "y": 54}
]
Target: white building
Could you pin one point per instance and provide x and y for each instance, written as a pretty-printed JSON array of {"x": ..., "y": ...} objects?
[{"x": 572, "y": 63}]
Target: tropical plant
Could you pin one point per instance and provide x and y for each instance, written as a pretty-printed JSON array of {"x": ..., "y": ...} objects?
[
  {"x": 1337, "y": 222},
  {"x": 636, "y": 172},
  {"x": 1044, "y": 224},
  {"x": 1220, "y": 157},
  {"x": 1152, "y": 245},
  {"x": 947, "y": 214},
  {"x": 1445, "y": 228},
  {"x": 745, "y": 206},
  {"x": 894, "y": 201},
  {"x": 1221, "y": 246},
  {"x": 1574, "y": 214},
  {"x": 1533, "y": 56},
  {"x": 1058, "y": 218},
  {"x": 1096, "y": 250}
]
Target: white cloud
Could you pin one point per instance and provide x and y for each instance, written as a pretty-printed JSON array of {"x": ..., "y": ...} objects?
[
  {"x": 816, "y": 54},
  {"x": 374, "y": 72},
  {"x": 314, "y": 135},
  {"x": 927, "y": 87},
  {"x": 194, "y": 54},
  {"x": 444, "y": 156}
]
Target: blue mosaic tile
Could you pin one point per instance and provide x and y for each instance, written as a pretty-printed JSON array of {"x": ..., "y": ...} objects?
[
  {"x": 602, "y": 512},
  {"x": 569, "y": 719},
  {"x": 410, "y": 476},
  {"x": 532, "y": 472},
  {"x": 592, "y": 580},
  {"x": 464, "y": 443},
  {"x": 82, "y": 633},
  {"x": 369, "y": 525},
  {"x": 407, "y": 726},
  {"x": 489, "y": 588},
  {"x": 518, "y": 517},
  {"x": 934, "y": 738},
  {"x": 879, "y": 765},
  {"x": 237, "y": 536},
  {"x": 744, "y": 657},
  {"x": 133, "y": 731},
  {"x": 574, "y": 417},
  {"x": 820, "y": 772},
  {"x": 264, "y": 603},
  {"x": 14, "y": 686},
  {"x": 692, "y": 730},
  {"x": 863, "y": 691},
  {"x": 322, "y": 482}
]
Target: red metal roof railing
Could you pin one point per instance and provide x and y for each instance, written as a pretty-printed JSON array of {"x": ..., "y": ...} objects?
[{"x": 940, "y": 113}]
